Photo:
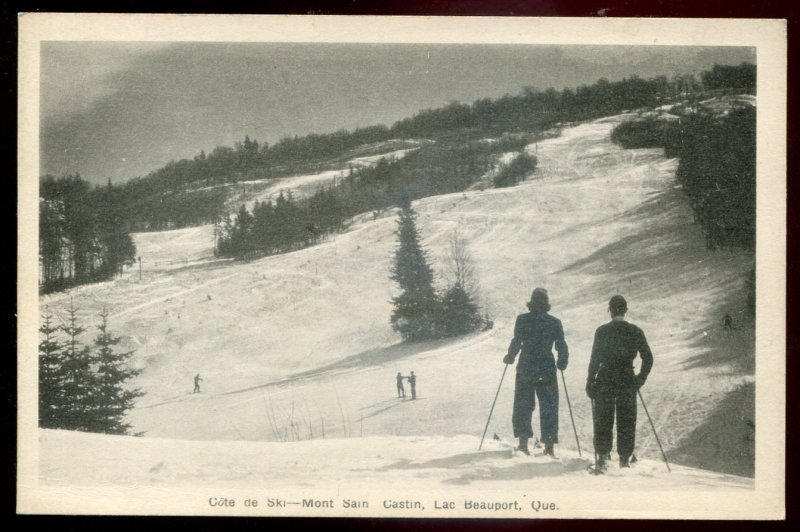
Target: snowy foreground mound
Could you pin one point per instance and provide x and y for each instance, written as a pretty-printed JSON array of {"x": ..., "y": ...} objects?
[
  {"x": 425, "y": 463},
  {"x": 432, "y": 476}
]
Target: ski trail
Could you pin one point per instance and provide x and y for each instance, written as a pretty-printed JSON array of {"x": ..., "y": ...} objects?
[
  {"x": 167, "y": 297},
  {"x": 671, "y": 405}
]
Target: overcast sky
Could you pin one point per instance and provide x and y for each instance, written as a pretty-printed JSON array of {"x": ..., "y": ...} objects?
[{"x": 120, "y": 110}]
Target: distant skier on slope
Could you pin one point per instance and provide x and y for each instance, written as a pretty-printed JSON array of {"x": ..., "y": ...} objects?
[
  {"x": 412, "y": 381},
  {"x": 197, "y": 380},
  {"x": 727, "y": 322},
  {"x": 401, "y": 391},
  {"x": 612, "y": 383},
  {"x": 535, "y": 333}
]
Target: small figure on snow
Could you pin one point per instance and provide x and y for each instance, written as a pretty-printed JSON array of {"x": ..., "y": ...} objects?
[
  {"x": 727, "y": 322},
  {"x": 612, "y": 384},
  {"x": 197, "y": 380},
  {"x": 401, "y": 391},
  {"x": 535, "y": 334},
  {"x": 412, "y": 381}
]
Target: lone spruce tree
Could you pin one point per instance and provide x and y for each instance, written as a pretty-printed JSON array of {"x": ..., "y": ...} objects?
[
  {"x": 110, "y": 399},
  {"x": 415, "y": 309}
]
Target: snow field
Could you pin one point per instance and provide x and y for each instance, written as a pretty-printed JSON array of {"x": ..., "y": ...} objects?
[
  {"x": 366, "y": 463},
  {"x": 601, "y": 220}
]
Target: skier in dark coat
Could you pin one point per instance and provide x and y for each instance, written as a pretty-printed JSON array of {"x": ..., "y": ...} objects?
[
  {"x": 535, "y": 334},
  {"x": 197, "y": 380},
  {"x": 412, "y": 381},
  {"x": 727, "y": 322},
  {"x": 401, "y": 391},
  {"x": 612, "y": 383}
]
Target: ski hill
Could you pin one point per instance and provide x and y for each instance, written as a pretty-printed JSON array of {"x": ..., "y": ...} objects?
[{"x": 298, "y": 359}]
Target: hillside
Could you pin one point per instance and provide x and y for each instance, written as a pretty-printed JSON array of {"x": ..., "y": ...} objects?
[{"x": 298, "y": 346}]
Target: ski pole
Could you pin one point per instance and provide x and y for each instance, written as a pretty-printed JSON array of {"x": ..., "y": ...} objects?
[
  {"x": 594, "y": 429},
  {"x": 654, "y": 429},
  {"x": 492, "y": 409},
  {"x": 570, "y": 412}
]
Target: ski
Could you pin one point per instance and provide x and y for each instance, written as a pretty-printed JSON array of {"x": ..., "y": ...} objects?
[
  {"x": 515, "y": 450},
  {"x": 593, "y": 469}
]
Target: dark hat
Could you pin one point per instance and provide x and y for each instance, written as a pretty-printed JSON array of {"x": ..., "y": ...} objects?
[
  {"x": 540, "y": 300},
  {"x": 617, "y": 305}
]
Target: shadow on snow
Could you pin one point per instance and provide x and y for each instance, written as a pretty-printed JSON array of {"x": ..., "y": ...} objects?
[
  {"x": 515, "y": 470},
  {"x": 368, "y": 358}
]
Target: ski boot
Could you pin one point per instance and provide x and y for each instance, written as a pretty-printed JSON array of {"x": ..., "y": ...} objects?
[
  {"x": 523, "y": 446},
  {"x": 549, "y": 451},
  {"x": 601, "y": 464}
]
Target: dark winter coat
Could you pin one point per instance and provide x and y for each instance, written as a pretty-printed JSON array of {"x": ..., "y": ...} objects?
[
  {"x": 615, "y": 347},
  {"x": 535, "y": 334}
]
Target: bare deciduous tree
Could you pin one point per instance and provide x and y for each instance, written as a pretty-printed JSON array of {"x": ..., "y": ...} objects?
[{"x": 460, "y": 268}]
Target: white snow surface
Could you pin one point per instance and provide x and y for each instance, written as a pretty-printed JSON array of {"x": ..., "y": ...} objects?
[
  {"x": 298, "y": 346},
  {"x": 369, "y": 463}
]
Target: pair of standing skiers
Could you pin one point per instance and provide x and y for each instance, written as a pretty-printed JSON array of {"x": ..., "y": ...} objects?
[
  {"x": 611, "y": 384},
  {"x": 412, "y": 381}
]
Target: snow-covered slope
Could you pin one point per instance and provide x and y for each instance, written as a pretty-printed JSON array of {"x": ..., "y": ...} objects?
[{"x": 298, "y": 346}]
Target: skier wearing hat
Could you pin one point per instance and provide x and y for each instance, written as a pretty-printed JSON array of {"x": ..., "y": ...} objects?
[
  {"x": 612, "y": 383},
  {"x": 535, "y": 334}
]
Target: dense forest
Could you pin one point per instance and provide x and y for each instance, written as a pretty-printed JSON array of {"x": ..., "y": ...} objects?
[
  {"x": 83, "y": 233},
  {"x": 721, "y": 77},
  {"x": 717, "y": 157},
  {"x": 716, "y": 168}
]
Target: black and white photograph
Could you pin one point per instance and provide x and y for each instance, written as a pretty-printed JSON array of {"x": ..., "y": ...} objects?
[{"x": 381, "y": 267}]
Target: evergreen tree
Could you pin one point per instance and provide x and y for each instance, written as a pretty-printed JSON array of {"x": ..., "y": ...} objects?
[
  {"x": 51, "y": 244},
  {"x": 240, "y": 234},
  {"x": 51, "y": 377},
  {"x": 78, "y": 378},
  {"x": 516, "y": 171},
  {"x": 110, "y": 399},
  {"x": 459, "y": 313},
  {"x": 117, "y": 245},
  {"x": 415, "y": 308}
]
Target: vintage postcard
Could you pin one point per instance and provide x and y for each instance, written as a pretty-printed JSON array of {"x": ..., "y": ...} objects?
[{"x": 401, "y": 266}]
